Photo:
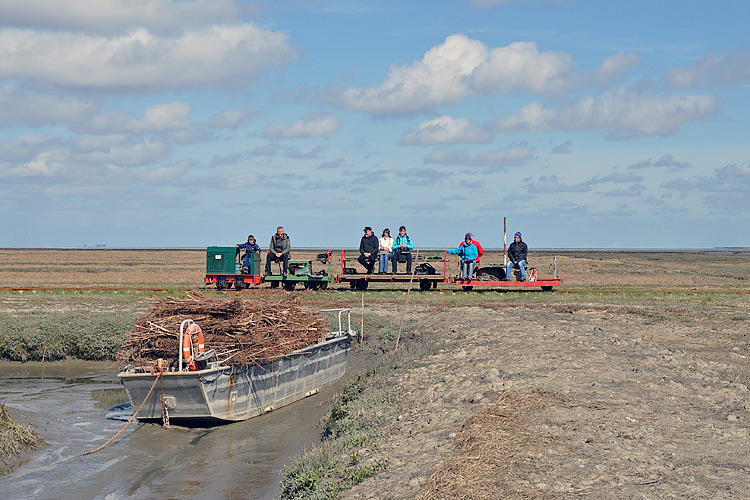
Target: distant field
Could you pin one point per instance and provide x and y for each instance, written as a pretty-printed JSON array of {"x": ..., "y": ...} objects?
[{"x": 579, "y": 269}]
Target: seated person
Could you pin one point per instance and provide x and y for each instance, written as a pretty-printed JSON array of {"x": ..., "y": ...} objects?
[
  {"x": 250, "y": 248},
  {"x": 384, "y": 254},
  {"x": 402, "y": 247},
  {"x": 279, "y": 250},
  {"x": 479, "y": 249},
  {"x": 517, "y": 255},
  {"x": 469, "y": 253},
  {"x": 368, "y": 250}
]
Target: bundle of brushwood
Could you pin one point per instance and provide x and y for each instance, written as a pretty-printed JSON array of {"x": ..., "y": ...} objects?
[{"x": 261, "y": 329}]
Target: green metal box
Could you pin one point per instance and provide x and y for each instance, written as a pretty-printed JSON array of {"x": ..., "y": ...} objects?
[{"x": 221, "y": 260}]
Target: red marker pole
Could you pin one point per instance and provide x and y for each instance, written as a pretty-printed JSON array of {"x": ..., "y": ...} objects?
[{"x": 505, "y": 241}]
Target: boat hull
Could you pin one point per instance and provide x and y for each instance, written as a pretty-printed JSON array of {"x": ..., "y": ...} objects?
[{"x": 223, "y": 394}]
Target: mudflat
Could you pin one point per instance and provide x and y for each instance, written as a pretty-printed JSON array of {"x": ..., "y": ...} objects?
[{"x": 630, "y": 381}]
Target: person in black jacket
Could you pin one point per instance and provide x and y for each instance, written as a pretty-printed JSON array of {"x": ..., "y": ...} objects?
[
  {"x": 368, "y": 250},
  {"x": 517, "y": 254}
]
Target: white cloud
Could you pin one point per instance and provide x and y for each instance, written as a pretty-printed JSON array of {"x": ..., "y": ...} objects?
[
  {"x": 241, "y": 181},
  {"x": 216, "y": 55},
  {"x": 730, "y": 69},
  {"x": 314, "y": 125},
  {"x": 45, "y": 164},
  {"x": 161, "y": 118},
  {"x": 38, "y": 109},
  {"x": 514, "y": 155},
  {"x": 460, "y": 67},
  {"x": 520, "y": 67},
  {"x": 446, "y": 130},
  {"x": 98, "y": 142},
  {"x": 162, "y": 175},
  {"x": 124, "y": 155},
  {"x": 563, "y": 149},
  {"x": 727, "y": 190},
  {"x": 24, "y": 147},
  {"x": 233, "y": 118},
  {"x": 623, "y": 115},
  {"x": 612, "y": 67},
  {"x": 550, "y": 184},
  {"x": 666, "y": 161},
  {"x": 113, "y": 16},
  {"x": 616, "y": 177},
  {"x": 439, "y": 78}
]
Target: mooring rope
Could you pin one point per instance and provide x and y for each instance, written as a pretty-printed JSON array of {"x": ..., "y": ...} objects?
[{"x": 158, "y": 377}]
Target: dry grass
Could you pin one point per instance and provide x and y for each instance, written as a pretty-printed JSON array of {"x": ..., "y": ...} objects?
[
  {"x": 14, "y": 440},
  {"x": 592, "y": 269},
  {"x": 495, "y": 450}
]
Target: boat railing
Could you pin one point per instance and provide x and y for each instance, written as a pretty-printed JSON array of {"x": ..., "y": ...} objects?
[{"x": 340, "y": 312}]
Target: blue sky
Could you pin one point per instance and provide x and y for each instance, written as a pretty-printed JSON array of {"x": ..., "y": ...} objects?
[{"x": 587, "y": 123}]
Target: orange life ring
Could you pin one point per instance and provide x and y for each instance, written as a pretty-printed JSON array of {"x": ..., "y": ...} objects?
[
  {"x": 187, "y": 351},
  {"x": 194, "y": 329}
]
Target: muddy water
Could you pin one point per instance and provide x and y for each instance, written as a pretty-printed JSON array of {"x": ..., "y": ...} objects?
[{"x": 73, "y": 405}]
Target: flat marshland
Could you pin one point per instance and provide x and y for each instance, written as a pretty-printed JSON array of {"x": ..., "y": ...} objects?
[{"x": 630, "y": 381}]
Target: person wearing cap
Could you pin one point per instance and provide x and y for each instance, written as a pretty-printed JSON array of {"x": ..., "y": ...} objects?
[
  {"x": 469, "y": 254},
  {"x": 250, "y": 248},
  {"x": 368, "y": 250},
  {"x": 517, "y": 254}
]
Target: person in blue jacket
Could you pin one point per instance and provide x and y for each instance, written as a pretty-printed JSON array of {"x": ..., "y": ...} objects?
[
  {"x": 469, "y": 254},
  {"x": 402, "y": 247},
  {"x": 251, "y": 248}
]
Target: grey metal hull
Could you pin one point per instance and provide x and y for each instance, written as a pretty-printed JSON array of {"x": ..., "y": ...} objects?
[{"x": 225, "y": 394}]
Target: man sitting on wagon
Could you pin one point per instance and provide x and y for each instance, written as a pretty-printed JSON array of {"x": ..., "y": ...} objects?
[
  {"x": 517, "y": 255},
  {"x": 368, "y": 250},
  {"x": 279, "y": 250}
]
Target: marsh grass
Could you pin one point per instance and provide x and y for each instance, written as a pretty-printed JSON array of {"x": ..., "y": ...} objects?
[
  {"x": 14, "y": 440},
  {"x": 338, "y": 462},
  {"x": 54, "y": 325}
]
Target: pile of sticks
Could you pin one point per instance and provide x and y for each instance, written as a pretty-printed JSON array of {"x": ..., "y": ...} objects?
[{"x": 261, "y": 329}]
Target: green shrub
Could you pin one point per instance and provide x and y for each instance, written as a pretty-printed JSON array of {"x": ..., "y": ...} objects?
[{"x": 53, "y": 336}]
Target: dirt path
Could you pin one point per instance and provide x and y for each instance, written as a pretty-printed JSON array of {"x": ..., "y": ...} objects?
[{"x": 582, "y": 403}]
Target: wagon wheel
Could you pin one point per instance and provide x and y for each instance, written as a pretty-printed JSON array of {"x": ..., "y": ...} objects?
[
  {"x": 323, "y": 285},
  {"x": 289, "y": 285},
  {"x": 424, "y": 285},
  {"x": 274, "y": 284},
  {"x": 221, "y": 283},
  {"x": 467, "y": 288},
  {"x": 546, "y": 288}
]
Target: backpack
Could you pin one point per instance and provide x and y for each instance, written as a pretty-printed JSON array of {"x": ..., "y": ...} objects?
[{"x": 425, "y": 268}]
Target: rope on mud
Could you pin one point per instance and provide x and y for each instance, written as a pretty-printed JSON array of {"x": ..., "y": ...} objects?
[
  {"x": 158, "y": 377},
  {"x": 406, "y": 301}
]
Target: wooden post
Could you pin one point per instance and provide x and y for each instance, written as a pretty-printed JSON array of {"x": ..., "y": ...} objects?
[{"x": 406, "y": 300}]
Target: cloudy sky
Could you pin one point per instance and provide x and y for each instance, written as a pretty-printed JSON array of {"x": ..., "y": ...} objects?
[{"x": 587, "y": 123}]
